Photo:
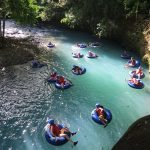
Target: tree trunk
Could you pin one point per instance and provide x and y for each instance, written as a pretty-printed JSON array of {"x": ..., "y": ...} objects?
[
  {"x": 137, "y": 7},
  {"x": 0, "y": 34},
  {"x": 3, "y": 34}
]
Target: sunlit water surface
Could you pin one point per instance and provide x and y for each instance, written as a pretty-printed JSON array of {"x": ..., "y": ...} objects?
[{"x": 26, "y": 100}]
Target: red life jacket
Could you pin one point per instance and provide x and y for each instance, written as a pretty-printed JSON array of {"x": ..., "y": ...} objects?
[
  {"x": 133, "y": 62},
  {"x": 100, "y": 111},
  {"x": 55, "y": 129}
]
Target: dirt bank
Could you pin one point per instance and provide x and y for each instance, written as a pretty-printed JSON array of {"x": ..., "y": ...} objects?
[{"x": 17, "y": 51}]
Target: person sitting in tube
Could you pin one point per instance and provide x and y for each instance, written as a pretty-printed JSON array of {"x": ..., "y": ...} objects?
[
  {"x": 61, "y": 80},
  {"x": 53, "y": 75},
  {"x": 101, "y": 114},
  {"x": 135, "y": 81},
  {"x": 90, "y": 53},
  {"x": 77, "y": 69},
  {"x": 35, "y": 63},
  {"x": 50, "y": 43},
  {"x": 125, "y": 53},
  {"x": 57, "y": 132},
  {"x": 139, "y": 71},
  {"x": 78, "y": 55},
  {"x": 132, "y": 62},
  {"x": 78, "y": 45}
]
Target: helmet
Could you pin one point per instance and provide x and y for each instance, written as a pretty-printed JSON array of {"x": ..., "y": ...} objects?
[
  {"x": 51, "y": 121},
  {"x": 140, "y": 67},
  {"x": 98, "y": 105},
  {"x": 74, "y": 66}
]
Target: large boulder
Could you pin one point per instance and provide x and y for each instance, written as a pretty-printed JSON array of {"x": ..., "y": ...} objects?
[{"x": 137, "y": 136}]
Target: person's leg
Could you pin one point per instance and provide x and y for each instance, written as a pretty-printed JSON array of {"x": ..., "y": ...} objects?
[
  {"x": 66, "y": 136},
  {"x": 68, "y": 131},
  {"x": 104, "y": 121},
  {"x": 69, "y": 139},
  {"x": 62, "y": 85}
]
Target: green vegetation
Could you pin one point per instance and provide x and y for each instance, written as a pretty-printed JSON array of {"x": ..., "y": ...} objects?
[
  {"x": 98, "y": 16},
  {"x": 23, "y": 11},
  {"x": 122, "y": 20},
  {"x": 103, "y": 18}
]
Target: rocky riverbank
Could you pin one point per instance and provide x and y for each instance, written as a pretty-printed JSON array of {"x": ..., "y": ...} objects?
[
  {"x": 146, "y": 34},
  {"x": 137, "y": 136},
  {"x": 23, "y": 44}
]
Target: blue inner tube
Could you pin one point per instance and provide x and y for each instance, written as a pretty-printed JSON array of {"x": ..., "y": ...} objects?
[
  {"x": 51, "y": 80},
  {"x": 36, "y": 64},
  {"x": 137, "y": 63},
  {"x": 76, "y": 56},
  {"x": 125, "y": 56},
  {"x": 94, "y": 56},
  {"x": 131, "y": 84},
  {"x": 96, "y": 44},
  {"x": 96, "y": 118},
  {"x": 66, "y": 86},
  {"x": 50, "y": 45},
  {"x": 58, "y": 141},
  {"x": 132, "y": 74},
  {"x": 82, "y": 45},
  {"x": 83, "y": 70}
]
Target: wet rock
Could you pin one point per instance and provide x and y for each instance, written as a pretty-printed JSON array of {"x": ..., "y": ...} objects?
[{"x": 137, "y": 136}]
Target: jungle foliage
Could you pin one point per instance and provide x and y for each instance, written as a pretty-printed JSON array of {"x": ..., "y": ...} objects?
[{"x": 102, "y": 17}]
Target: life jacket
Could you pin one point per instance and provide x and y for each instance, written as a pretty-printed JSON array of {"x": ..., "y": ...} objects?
[
  {"x": 53, "y": 75},
  {"x": 62, "y": 80},
  {"x": 100, "y": 111},
  {"x": 90, "y": 54},
  {"x": 78, "y": 69},
  {"x": 133, "y": 62},
  {"x": 139, "y": 71},
  {"x": 55, "y": 129}
]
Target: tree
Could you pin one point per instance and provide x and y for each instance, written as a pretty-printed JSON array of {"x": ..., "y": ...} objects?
[{"x": 24, "y": 11}]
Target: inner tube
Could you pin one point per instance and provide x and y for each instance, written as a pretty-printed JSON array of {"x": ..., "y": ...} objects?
[
  {"x": 125, "y": 56},
  {"x": 37, "y": 64},
  {"x": 82, "y": 45},
  {"x": 95, "y": 44},
  {"x": 137, "y": 63},
  {"x": 83, "y": 70},
  {"x": 50, "y": 139},
  {"x": 96, "y": 119},
  {"x": 93, "y": 56},
  {"x": 66, "y": 85},
  {"x": 51, "y": 45},
  {"x": 75, "y": 55},
  {"x": 131, "y": 84},
  {"x": 132, "y": 74},
  {"x": 51, "y": 80}
]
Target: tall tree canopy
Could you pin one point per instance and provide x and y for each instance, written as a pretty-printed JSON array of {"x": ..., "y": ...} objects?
[
  {"x": 24, "y": 11},
  {"x": 99, "y": 16}
]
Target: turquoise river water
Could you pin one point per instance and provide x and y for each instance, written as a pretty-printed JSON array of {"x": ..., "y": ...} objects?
[{"x": 26, "y": 100}]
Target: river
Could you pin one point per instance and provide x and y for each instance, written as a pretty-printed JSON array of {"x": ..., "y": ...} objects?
[{"x": 26, "y": 99}]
